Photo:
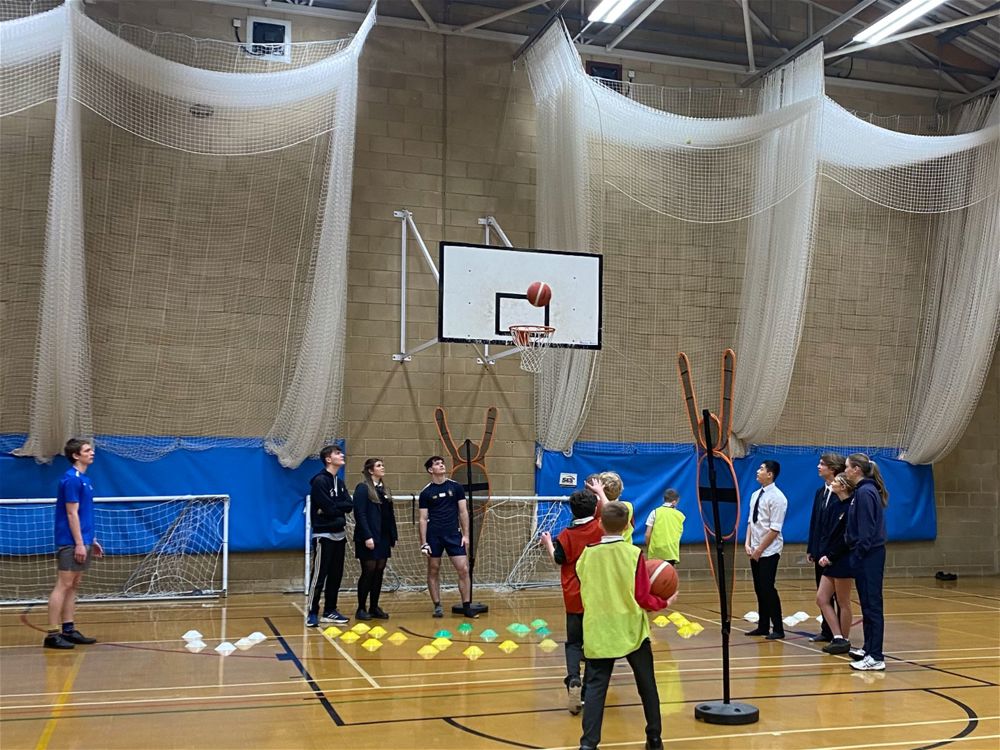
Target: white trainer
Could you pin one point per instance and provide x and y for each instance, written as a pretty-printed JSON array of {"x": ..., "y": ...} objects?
[{"x": 868, "y": 664}]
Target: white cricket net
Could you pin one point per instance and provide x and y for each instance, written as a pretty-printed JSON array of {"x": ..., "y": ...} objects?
[
  {"x": 854, "y": 269},
  {"x": 193, "y": 281},
  {"x": 154, "y": 548}
]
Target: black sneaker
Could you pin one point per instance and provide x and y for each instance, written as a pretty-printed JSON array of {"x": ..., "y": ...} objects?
[
  {"x": 56, "y": 640},
  {"x": 362, "y": 615},
  {"x": 75, "y": 636},
  {"x": 654, "y": 743},
  {"x": 335, "y": 617},
  {"x": 820, "y": 638},
  {"x": 838, "y": 646},
  {"x": 775, "y": 636},
  {"x": 378, "y": 613},
  {"x": 756, "y": 631}
]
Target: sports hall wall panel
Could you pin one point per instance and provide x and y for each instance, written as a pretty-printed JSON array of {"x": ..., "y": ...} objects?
[{"x": 445, "y": 129}]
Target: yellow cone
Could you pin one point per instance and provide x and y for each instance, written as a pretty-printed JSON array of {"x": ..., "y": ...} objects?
[
  {"x": 661, "y": 621},
  {"x": 372, "y": 644},
  {"x": 440, "y": 643},
  {"x": 472, "y": 653},
  {"x": 428, "y": 651},
  {"x": 361, "y": 628},
  {"x": 548, "y": 645},
  {"x": 508, "y": 647},
  {"x": 332, "y": 632},
  {"x": 676, "y": 618},
  {"x": 377, "y": 632},
  {"x": 684, "y": 631},
  {"x": 696, "y": 628},
  {"x": 350, "y": 637}
]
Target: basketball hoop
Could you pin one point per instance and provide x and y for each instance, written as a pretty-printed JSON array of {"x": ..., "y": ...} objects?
[{"x": 533, "y": 341}]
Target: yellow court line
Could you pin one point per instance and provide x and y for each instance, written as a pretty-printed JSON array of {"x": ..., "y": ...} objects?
[
  {"x": 809, "y": 730},
  {"x": 64, "y": 695}
]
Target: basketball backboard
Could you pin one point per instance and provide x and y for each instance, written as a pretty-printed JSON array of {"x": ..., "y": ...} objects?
[{"x": 483, "y": 291}]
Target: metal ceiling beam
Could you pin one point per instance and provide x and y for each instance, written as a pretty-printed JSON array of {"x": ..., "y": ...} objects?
[
  {"x": 909, "y": 34},
  {"x": 503, "y": 14},
  {"x": 634, "y": 25},
  {"x": 751, "y": 65},
  {"x": 584, "y": 49},
  {"x": 973, "y": 95},
  {"x": 759, "y": 23},
  {"x": 963, "y": 42},
  {"x": 425, "y": 15},
  {"x": 917, "y": 52},
  {"x": 806, "y": 44}
]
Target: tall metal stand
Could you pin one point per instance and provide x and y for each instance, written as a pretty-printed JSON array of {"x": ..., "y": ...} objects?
[
  {"x": 470, "y": 488},
  {"x": 725, "y": 712}
]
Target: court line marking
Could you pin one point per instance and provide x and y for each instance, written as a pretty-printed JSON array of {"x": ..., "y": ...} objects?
[
  {"x": 64, "y": 695},
  {"x": 809, "y": 730},
  {"x": 350, "y": 659}
]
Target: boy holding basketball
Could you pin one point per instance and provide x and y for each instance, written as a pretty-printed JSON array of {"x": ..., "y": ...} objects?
[
  {"x": 565, "y": 551},
  {"x": 614, "y": 588}
]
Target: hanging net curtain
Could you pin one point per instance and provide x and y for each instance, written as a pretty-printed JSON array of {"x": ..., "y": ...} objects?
[
  {"x": 194, "y": 276},
  {"x": 840, "y": 257}
]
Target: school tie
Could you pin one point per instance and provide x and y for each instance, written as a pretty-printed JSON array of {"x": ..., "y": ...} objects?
[
  {"x": 756, "y": 505},
  {"x": 826, "y": 498}
]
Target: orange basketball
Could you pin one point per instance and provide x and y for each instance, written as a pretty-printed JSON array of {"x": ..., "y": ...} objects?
[
  {"x": 662, "y": 578},
  {"x": 539, "y": 293}
]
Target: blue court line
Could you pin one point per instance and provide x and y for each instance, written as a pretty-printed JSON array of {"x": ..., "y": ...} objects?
[{"x": 289, "y": 655}]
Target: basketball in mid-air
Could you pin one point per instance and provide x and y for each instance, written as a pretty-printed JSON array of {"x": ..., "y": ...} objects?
[
  {"x": 539, "y": 293},
  {"x": 662, "y": 578}
]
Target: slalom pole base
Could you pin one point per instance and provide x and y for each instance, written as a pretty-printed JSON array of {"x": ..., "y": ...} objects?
[
  {"x": 477, "y": 608},
  {"x": 718, "y": 712}
]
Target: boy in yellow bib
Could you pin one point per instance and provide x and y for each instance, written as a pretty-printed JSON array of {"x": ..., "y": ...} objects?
[
  {"x": 614, "y": 587},
  {"x": 664, "y": 527},
  {"x": 613, "y": 488}
]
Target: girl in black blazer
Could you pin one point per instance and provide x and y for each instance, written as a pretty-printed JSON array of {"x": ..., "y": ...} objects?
[{"x": 374, "y": 537}]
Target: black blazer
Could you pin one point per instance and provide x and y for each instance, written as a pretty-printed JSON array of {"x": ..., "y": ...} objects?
[
  {"x": 822, "y": 522},
  {"x": 833, "y": 545},
  {"x": 368, "y": 516}
]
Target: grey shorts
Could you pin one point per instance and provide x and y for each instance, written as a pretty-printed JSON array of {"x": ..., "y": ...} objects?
[{"x": 66, "y": 561}]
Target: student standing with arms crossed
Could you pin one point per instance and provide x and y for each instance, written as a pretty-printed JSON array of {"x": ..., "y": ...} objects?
[{"x": 75, "y": 545}]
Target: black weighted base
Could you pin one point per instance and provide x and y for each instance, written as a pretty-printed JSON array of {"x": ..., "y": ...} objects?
[
  {"x": 717, "y": 712},
  {"x": 477, "y": 607}
]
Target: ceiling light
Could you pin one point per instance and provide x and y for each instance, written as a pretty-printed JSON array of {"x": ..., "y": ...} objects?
[
  {"x": 904, "y": 15},
  {"x": 609, "y": 11}
]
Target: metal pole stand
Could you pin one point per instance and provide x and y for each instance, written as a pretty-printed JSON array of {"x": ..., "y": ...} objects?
[
  {"x": 724, "y": 711},
  {"x": 476, "y": 607}
]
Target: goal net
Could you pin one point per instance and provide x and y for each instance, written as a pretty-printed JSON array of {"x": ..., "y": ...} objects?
[
  {"x": 506, "y": 552},
  {"x": 154, "y": 548}
]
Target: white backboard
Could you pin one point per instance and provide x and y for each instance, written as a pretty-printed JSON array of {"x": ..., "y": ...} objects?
[{"x": 483, "y": 291}]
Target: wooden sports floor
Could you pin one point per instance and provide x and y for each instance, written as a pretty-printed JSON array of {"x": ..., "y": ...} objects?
[{"x": 140, "y": 688}]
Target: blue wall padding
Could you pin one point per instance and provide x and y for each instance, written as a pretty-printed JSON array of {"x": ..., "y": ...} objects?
[
  {"x": 648, "y": 469},
  {"x": 266, "y": 499}
]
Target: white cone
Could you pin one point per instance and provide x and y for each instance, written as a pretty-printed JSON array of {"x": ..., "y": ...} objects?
[
  {"x": 192, "y": 635},
  {"x": 225, "y": 648},
  {"x": 257, "y": 637},
  {"x": 751, "y": 616},
  {"x": 195, "y": 646}
]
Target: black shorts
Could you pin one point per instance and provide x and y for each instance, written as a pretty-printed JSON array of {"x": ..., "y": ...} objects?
[{"x": 450, "y": 543}]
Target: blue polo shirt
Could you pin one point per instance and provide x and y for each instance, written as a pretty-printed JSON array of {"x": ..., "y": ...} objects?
[{"x": 75, "y": 487}]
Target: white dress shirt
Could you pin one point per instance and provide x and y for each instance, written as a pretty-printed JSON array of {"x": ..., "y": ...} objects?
[{"x": 771, "y": 505}]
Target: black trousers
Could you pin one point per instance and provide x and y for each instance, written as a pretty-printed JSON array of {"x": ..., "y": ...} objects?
[
  {"x": 868, "y": 581},
  {"x": 764, "y": 571},
  {"x": 574, "y": 646},
  {"x": 327, "y": 573},
  {"x": 598, "y": 676},
  {"x": 825, "y": 628}
]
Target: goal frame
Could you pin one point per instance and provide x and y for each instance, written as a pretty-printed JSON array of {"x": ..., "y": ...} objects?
[{"x": 83, "y": 597}]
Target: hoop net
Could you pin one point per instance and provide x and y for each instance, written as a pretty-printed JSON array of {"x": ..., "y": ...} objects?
[{"x": 533, "y": 341}]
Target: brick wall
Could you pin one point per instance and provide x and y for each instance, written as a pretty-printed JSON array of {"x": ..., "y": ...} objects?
[{"x": 446, "y": 129}]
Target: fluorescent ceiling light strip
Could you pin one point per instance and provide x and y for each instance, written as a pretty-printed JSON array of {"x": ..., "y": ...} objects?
[
  {"x": 609, "y": 11},
  {"x": 903, "y": 15}
]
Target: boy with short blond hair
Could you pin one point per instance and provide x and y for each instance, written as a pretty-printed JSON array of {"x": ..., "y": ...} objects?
[
  {"x": 664, "y": 527},
  {"x": 613, "y": 488},
  {"x": 614, "y": 588}
]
